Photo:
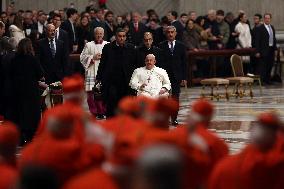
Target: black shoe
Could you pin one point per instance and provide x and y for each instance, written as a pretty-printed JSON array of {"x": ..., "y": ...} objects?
[
  {"x": 175, "y": 122},
  {"x": 100, "y": 116}
]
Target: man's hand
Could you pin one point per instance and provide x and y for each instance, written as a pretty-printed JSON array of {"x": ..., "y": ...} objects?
[
  {"x": 195, "y": 50},
  {"x": 163, "y": 91},
  {"x": 183, "y": 83},
  {"x": 97, "y": 56},
  {"x": 142, "y": 86},
  {"x": 257, "y": 55}
]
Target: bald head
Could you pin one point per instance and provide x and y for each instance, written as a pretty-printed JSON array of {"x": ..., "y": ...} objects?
[
  {"x": 148, "y": 39},
  {"x": 50, "y": 31}
]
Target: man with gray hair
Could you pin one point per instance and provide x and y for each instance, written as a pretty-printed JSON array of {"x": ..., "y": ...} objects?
[
  {"x": 90, "y": 59},
  {"x": 150, "y": 80},
  {"x": 174, "y": 53},
  {"x": 159, "y": 166},
  {"x": 53, "y": 56}
]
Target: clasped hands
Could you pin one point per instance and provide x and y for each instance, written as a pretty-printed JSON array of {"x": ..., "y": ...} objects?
[{"x": 162, "y": 91}]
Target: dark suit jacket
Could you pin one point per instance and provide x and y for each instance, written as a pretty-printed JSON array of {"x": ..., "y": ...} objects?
[
  {"x": 175, "y": 64},
  {"x": 97, "y": 23},
  {"x": 54, "y": 68},
  {"x": 116, "y": 67},
  {"x": 108, "y": 32},
  {"x": 137, "y": 37},
  {"x": 179, "y": 27},
  {"x": 261, "y": 40},
  {"x": 66, "y": 26},
  {"x": 142, "y": 52},
  {"x": 63, "y": 36}
]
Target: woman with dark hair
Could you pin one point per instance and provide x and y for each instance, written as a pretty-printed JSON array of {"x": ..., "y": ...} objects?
[
  {"x": 83, "y": 33},
  {"x": 25, "y": 73}
]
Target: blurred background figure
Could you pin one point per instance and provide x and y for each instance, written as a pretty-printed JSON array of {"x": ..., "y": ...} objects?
[{"x": 159, "y": 166}]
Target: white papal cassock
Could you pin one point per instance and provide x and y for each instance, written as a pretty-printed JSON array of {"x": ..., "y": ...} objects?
[
  {"x": 90, "y": 49},
  {"x": 156, "y": 79}
]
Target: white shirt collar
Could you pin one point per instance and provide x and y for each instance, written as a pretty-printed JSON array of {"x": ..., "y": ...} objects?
[{"x": 174, "y": 43}]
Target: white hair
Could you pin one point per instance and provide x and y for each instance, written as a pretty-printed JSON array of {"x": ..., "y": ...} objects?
[
  {"x": 98, "y": 29},
  {"x": 151, "y": 55},
  {"x": 171, "y": 27}
]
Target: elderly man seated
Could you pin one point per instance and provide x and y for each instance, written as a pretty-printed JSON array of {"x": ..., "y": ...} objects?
[{"x": 150, "y": 80}]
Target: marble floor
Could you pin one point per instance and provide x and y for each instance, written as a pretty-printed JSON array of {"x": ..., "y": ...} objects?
[{"x": 233, "y": 118}]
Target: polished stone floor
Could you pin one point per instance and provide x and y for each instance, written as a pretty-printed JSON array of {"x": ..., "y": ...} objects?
[{"x": 233, "y": 118}]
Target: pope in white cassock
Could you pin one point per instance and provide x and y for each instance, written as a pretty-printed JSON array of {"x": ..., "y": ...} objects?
[
  {"x": 90, "y": 59},
  {"x": 150, "y": 80}
]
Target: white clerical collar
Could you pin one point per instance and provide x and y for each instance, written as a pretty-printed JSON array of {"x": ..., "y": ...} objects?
[{"x": 150, "y": 69}]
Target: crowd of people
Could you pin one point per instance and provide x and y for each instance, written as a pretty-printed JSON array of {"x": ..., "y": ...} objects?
[
  {"x": 122, "y": 57},
  {"x": 136, "y": 149}
]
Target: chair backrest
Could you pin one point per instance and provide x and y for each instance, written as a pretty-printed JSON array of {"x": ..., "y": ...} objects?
[{"x": 237, "y": 65}]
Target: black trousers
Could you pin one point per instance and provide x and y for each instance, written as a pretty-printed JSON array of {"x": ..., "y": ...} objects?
[
  {"x": 114, "y": 94},
  {"x": 175, "y": 94},
  {"x": 266, "y": 64}
]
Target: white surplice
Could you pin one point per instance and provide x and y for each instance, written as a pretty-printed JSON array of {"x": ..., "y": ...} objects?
[
  {"x": 86, "y": 57},
  {"x": 156, "y": 79}
]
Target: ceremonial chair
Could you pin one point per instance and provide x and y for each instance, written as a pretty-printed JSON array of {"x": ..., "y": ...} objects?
[
  {"x": 214, "y": 83},
  {"x": 240, "y": 80}
]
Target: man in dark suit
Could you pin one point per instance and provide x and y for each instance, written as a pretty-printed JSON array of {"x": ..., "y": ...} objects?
[
  {"x": 69, "y": 26},
  {"x": 110, "y": 27},
  {"x": 265, "y": 44},
  {"x": 52, "y": 56},
  {"x": 172, "y": 17},
  {"x": 98, "y": 21},
  {"x": 137, "y": 29},
  {"x": 148, "y": 48},
  {"x": 117, "y": 64},
  {"x": 175, "y": 63},
  {"x": 60, "y": 34}
]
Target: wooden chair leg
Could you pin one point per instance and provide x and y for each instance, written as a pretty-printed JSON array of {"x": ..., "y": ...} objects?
[
  {"x": 203, "y": 91},
  {"x": 226, "y": 92},
  {"x": 212, "y": 92},
  {"x": 260, "y": 85},
  {"x": 237, "y": 93},
  {"x": 250, "y": 90},
  {"x": 241, "y": 93},
  {"x": 217, "y": 92}
]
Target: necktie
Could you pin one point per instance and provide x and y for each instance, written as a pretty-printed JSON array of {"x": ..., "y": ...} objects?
[
  {"x": 52, "y": 48},
  {"x": 270, "y": 36},
  {"x": 136, "y": 27},
  {"x": 74, "y": 35},
  {"x": 172, "y": 47}
]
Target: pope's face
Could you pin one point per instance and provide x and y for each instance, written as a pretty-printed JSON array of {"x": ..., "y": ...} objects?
[{"x": 150, "y": 62}]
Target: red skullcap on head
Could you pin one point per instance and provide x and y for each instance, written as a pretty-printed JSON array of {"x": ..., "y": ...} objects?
[
  {"x": 125, "y": 149},
  {"x": 203, "y": 107},
  {"x": 9, "y": 134},
  {"x": 73, "y": 83},
  {"x": 127, "y": 105},
  {"x": 166, "y": 106},
  {"x": 269, "y": 119}
]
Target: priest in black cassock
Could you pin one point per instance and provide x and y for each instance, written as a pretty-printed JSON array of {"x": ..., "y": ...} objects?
[{"x": 118, "y": 62}]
